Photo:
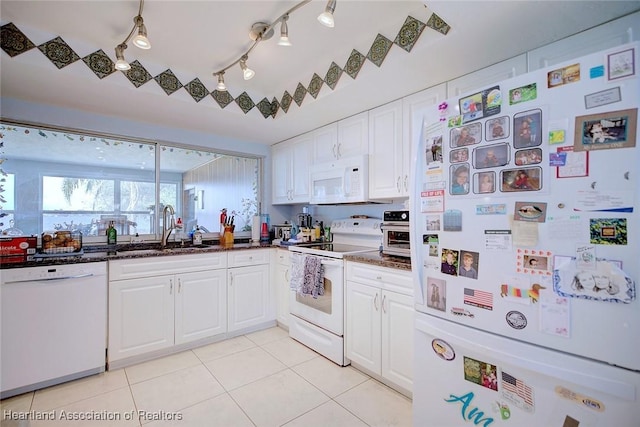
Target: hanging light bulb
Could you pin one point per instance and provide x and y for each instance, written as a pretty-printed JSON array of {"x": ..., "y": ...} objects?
[
  {"x": 284, "y": 32},
  {"x": 221, "y": 86},
  {"x": 140, "y": 39},
  {"x": 247, "y": 72},
  {"x": 121, "y": 63},
  {"x": 326, "y": 17}
]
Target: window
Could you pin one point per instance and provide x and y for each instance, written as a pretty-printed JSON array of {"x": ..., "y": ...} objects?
[{"x": 58, "y": 180}]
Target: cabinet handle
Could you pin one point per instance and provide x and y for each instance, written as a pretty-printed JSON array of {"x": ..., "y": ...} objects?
[
  {"x": 379, "y": 277},
  {"x": 230, "y": 279},
  {"x": 335, "y": 154},
  {"x": 398, "y": 184},
  {"x": 383, "y": 298},
  {"x": 375, "y": 302},
  {"x": 286, "y": 275},
  {"x": 179, "y": 285},
  {"x": 406, "y": 183},
  {"x": 170, "y": 286},
  {"x": 339, "y": 153}
]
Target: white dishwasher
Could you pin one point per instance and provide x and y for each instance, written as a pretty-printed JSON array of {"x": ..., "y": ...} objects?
[{"x": 54, "y": 325}]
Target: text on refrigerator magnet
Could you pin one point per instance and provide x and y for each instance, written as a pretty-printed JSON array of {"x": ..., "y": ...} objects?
[
  {"x": 457, "y": 311},
  {"x": 581, "y": 399},
  {"x": 516, "y": 320},
  {"x": 443, "y": 349}
]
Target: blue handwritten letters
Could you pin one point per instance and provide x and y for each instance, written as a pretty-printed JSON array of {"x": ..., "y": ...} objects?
[{"x": 467, "y": 412}]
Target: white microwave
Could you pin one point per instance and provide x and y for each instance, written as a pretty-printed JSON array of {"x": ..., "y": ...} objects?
[{"x": 340, "y": 181}]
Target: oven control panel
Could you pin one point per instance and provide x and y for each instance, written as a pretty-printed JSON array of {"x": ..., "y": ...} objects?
[{"x": 396, "y": 216}]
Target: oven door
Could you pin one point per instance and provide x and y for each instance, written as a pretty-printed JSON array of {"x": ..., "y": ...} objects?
[
  {"x": 396, "y": 240},
  {"x": 326, "y": 311}
]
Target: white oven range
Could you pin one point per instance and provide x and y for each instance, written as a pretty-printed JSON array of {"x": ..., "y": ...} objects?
[{"x": 318, "y": 322}]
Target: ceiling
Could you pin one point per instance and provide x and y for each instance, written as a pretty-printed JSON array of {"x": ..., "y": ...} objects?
[{"x": 196, "y": 38}]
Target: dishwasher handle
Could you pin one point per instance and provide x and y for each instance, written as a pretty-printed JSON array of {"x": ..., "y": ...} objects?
[{"x": 48, "y": 279}]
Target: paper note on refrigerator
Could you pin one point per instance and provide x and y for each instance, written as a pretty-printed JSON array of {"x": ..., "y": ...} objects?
[{"x": 555, "y": 314}]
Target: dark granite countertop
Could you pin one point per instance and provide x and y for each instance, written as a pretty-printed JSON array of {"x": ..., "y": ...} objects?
[
  {"x": 128, "y": 251},
  {"x": 381, "y": 260}
]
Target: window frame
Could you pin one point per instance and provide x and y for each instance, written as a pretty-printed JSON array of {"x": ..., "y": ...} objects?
[{"x": 157, "y": 144}]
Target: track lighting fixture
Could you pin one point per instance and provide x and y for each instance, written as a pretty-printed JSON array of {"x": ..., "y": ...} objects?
[
  {"x": 247, "y": 72},
  {"x": 140, "y": 40},
  {"x": 221, "y": 86},
  {"x": 261, "y": 31},
  {"x": 121, "y": 64},
  {"x": 284, "y": 32},
  {"x": 326, "y": 17}
]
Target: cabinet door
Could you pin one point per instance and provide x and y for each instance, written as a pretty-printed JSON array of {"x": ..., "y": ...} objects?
[
  {"x": 281, "y": 160},
  {"x": 300, "y": 162},
  {"x": 413, "y": 108},
  {"x": 353, "y": 136},
  {"x": 599, "y": 38},
  {"x": 200, "y": 305},
  {"x": 363, "y": 329},
  {"x": 397, "y": 339},
  {"x": 282, "y": 277},
  {"x": 386, "y": 157},
  {"x": 325, "y": 144},
  {"x": 248, "y": 296},
  {"x": 140, "y": 315}
]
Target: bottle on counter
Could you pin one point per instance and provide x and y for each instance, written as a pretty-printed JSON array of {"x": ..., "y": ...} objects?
[
  {"x": 196, "y": 237},
  {"x": 112, "y": 234},
  {"x": 316, "y": 231}
]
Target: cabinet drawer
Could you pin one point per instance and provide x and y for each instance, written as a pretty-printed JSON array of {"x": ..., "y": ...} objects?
[
  {"x": 242, "y": 258},
  {"x": 283, "y": 257},
  {"x": 161, "y": 265},
  {"x": 382, "y": 277}
]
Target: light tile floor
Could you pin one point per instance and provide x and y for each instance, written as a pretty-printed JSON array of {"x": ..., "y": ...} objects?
[{"x": 261, "y": 379}]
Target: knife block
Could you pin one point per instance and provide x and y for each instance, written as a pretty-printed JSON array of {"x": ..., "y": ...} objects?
[{"x": 227, "y": 236}]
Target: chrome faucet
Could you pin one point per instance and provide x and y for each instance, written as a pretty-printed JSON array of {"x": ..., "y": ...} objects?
[{"x": 166, "y": 232}]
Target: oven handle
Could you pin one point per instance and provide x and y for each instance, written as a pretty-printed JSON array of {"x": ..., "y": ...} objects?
[
  {"x": 331, "y": 262},
  {"x": 394, "y": 227}
]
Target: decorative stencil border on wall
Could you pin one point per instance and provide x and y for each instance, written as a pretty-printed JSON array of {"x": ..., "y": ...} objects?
[{"x": 14, "y": 42}]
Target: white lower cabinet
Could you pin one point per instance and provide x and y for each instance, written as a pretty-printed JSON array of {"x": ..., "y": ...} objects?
[
  {"x": 156, "y": 303},
  {"x": 249, "y": 297},
  {"x": 200, "y": 305},
  {"x": 379, "y": 322},
  {"x": 281, "y": 276}
]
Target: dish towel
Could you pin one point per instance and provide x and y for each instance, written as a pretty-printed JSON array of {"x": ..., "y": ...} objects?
[
  {"x": 297, "y": 272},
  {"x": 313, "y": 281}
]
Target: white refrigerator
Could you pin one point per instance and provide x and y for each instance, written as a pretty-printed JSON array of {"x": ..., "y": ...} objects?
[{"x": 525, "y": 250}]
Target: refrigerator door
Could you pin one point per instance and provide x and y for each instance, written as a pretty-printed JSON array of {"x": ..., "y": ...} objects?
[
  {"x": 523, "y": 277},
  {"x": 464, "y": 376}
]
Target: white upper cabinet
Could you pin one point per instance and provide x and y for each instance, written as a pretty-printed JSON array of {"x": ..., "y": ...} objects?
[
  {"x": 603, "y": 37},
  {"x": 325, "y": 143},
  {"x": 290, "y": 164},
  {"x": 413, "y": 108},
  {"x": 345, "y": 138},
  {"x": 388, "y": 157}
]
